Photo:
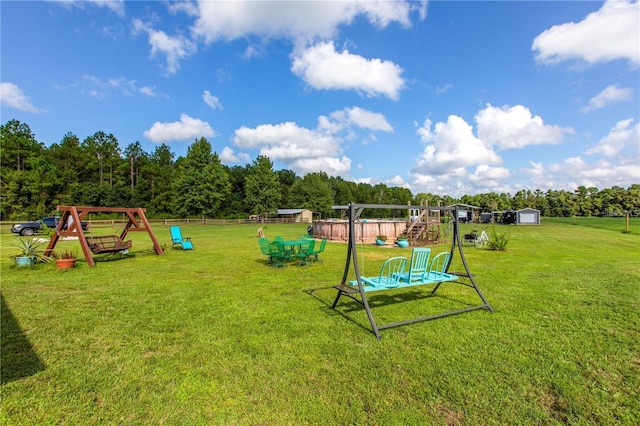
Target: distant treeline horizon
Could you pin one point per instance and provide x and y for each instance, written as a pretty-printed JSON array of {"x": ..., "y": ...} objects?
[{"x": 35, "y": 179}]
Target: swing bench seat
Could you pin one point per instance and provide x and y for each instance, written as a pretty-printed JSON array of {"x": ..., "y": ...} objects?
[
  {"x": 393, "y": 275},
  {"x": 107, "y": 244}
]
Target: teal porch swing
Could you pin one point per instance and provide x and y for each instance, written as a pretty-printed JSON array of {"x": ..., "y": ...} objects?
[{"x": 393, "y": 274}]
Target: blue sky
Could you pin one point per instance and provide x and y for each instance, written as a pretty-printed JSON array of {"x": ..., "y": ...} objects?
[{"x": 443, "y": 97}]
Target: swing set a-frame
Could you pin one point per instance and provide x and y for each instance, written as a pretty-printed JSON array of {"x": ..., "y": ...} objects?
[
  {"x": 70, "y": 226},
  {"x": 348, "y": 288}
]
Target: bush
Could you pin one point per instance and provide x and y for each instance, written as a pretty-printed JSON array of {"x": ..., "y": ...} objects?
[
  {"x": 499, "y": 240},
  {"x": 65, "y": 254}
]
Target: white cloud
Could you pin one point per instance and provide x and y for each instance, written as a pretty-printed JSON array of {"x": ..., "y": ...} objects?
[
  {"x": 362, "y": 118},
  {"x": 303, "y": 150},
  {"x": 12, "y": 96},
  {"x": 116, "y": 6},
  {"x": 451, "y": 149},
  {"x": 174, "y": 48},
  {"x": 623, "y": 134},
  {"x": 185, "y": 129},
  {"x": 444, "y": 89},
  {"x": 211, "y": 100},
  {"x": 327, "y": 125},
  {"x": 396, "y": 180},
  {"x": 229, "y": 156},
  {"x": 148, "y": 91},
  {"x": 300, "y": 21},
  {"x": 486, "y": 179},
  {"x": 537, "y": 170},
  {"x": 608, "y": 96},
  {"x": 286, "y": 141},
  {"x": 484, "y": 172},
  {"x": 100, "y": 88},
  {"x": 321, "y": 67},
  {"x": 310, "y": 150},
  {"x": 515, "y": 127},
  {"x": 601, "y": 174},
  {"x": 332, "y": 166},
  {"x": 187, "y": 7},
  {"x": 459, "y": 181},
  {"x": 451, "y": 145},
  {"x": 575, "y": 171},
  {"x": 605, "y": 35}
]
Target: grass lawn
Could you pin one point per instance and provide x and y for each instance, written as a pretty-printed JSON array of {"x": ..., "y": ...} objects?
[
  {"x": 617, "y": 224},
  {"x": 214, "y": 336}
]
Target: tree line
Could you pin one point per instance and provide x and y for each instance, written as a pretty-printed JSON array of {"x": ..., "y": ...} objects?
[{"x": 98, "y": 172}]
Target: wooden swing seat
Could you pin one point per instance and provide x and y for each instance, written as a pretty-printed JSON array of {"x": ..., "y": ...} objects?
[{"x": 107, "y": 244}]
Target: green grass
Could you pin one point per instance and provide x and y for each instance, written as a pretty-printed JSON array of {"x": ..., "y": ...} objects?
[
  {"x": 618, "y": 224},
  {"x": 214, "y": 336}
]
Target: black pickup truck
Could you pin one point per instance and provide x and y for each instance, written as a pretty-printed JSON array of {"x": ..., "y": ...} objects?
[{"x": 29, "y": 228}]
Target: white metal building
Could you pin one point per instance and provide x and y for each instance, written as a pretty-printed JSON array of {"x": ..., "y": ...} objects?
[{"x": 528, "y": 216}]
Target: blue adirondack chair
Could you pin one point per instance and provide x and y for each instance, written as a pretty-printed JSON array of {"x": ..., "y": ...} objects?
[
  {"x": 418, "y": 266},
  {"x": 178, "y": 240}
]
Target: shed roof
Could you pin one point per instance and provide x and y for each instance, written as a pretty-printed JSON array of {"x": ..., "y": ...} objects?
[
  {"x": 469, "y": 206},
  {"x": 291, "y": 211}
]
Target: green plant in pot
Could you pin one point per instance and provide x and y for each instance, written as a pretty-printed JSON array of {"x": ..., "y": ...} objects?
[
  {"x": 381, "y": 240},
  {"x": 65, "y": 259},
  {"x": 403, "y": 241},
  {"x": 29, "y": 252}
]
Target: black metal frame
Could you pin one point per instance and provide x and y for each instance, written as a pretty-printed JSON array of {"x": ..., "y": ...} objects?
[{"x": 344, "y": 289}]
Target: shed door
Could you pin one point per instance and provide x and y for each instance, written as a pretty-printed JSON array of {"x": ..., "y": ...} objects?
[{"x": 527, "y": 218}]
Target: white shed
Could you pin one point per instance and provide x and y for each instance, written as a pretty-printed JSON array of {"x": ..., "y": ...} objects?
[{"x": 528, "y": 216}]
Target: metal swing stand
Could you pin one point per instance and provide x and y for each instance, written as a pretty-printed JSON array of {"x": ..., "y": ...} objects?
[{"x": 344, "y": 289}]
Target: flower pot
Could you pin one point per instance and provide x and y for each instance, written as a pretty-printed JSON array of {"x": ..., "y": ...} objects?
[
  {"x": 65, "y": 263},
  {"x": 380, "y": 242},
  {"x": 25, "y": 261},
  {"x": 403, "y": 243}
]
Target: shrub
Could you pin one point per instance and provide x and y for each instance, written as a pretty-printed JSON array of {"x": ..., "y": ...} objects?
[
  {"x": 66, "y": 254},
  {"x": 499, "y": 240},
  {"x": 30, "y": 248}
]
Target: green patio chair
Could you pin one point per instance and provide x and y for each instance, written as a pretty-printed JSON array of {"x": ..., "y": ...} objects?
[
  {"x": 305, "y": 252},
  {"x": 275, "y": 256},
  {"x": 314, "y": 254}
]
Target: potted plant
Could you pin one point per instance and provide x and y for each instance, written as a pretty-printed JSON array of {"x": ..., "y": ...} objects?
[
  {"x": 381, "y": 240},
  {"x": 65, "y": 259},
  {"x": 29, "y": 252},
  {"x": 403, "y": 241}
]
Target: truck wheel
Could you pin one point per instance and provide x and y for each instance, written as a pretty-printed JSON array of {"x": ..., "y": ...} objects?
[{"x": 27, "y": 232}]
